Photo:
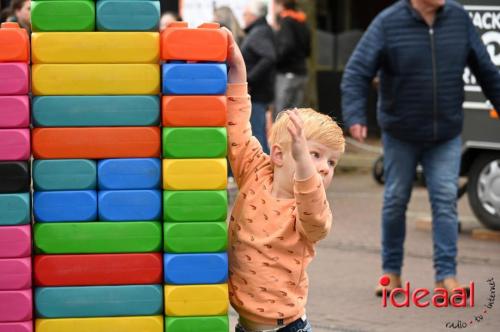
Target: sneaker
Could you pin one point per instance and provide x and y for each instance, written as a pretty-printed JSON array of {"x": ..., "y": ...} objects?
[
  {"x": 450, "y": 284},
  {"x": 394, "y": 282}
]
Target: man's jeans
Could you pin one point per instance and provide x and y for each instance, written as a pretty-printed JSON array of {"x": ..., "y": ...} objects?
[
  {"x": 441, "y": 163},
  {"x": 258, "y": 122}
]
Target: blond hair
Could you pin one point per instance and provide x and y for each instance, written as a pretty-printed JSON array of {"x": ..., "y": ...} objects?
[{"x": 317, "y": 127}]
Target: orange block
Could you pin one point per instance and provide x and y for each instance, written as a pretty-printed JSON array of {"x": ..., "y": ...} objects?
[
  {"x": 194, "y": 111},
  {"x": 206, "y": 43},
  {"x": 96, "y": 142},
  {"x": 15, "y": 44}
]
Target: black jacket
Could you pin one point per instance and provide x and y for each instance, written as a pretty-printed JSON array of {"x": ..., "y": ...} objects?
[
  {"x": 259, "y": 51},
  {"x": 421, "y": 88},
  {"x": 294, "y": 46}
]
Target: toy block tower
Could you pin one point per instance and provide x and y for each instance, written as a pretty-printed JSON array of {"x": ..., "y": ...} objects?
[
  {"x": 97, "y": 173},
  {"x": 15, "y": 201},
  {"x": 195, "y": 178}
]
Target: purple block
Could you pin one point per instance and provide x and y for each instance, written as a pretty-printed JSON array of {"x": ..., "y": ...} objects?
[
  {"x": 16, "y": 306},
  {"x": 14, "y": 78},
  {"x": 15, "y": 241},
  {"x": 15, "y": 273},
  {"x": 14, "y": 112}
]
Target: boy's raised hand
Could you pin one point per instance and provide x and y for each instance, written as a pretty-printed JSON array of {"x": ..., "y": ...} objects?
[
  {"x": 299, "y": 142},
  {"x": 304, "y": 167},
  {"x": 235, "y": 61}
]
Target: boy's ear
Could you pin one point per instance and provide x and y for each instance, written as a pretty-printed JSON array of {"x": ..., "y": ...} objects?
[{"x": 277, "y": 155}]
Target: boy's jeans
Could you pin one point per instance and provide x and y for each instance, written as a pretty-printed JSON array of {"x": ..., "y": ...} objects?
[
  {"x": 297, "y": 326},
  {"x": 441, "y": 163}
]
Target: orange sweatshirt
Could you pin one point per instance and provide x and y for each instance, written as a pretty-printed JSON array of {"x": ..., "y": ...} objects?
[{"x": 271, "y": 240}]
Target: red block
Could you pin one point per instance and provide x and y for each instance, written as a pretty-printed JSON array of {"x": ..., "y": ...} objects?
[
  {"x": 95, "y": 270},
  {"x": 206, "y": 43}
]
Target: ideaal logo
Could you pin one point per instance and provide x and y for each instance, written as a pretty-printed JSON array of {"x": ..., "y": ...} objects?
[
  {"x": 490, "y": 302},
  {"x": 441, "y": 298}
]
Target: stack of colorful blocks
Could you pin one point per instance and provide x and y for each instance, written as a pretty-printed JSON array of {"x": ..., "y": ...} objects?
[
  {"x": 15, "y": 206},
  {"x": 97, "y": 173},
  {"x": 195, "y": 178}
]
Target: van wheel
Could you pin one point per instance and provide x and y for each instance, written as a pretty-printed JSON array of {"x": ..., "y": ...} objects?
[{"x": 483, "y": 189}]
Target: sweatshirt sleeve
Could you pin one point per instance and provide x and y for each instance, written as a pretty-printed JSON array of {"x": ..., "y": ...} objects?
[
  {"x": 245, "y": 151},
  {"x": 313, "y": 211},
  {"x": 359, "y": 72}
]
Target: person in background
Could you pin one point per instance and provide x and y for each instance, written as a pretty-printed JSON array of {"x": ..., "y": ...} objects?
[
  {"x": 258, "y": 49},
  {"x": 226, "y": 18},
  {"x": 420, "y": 49},
  {"x": 293, "y": 48},
  {"x": 167, "y": 18},
  {"x": 19, "y": 11}
]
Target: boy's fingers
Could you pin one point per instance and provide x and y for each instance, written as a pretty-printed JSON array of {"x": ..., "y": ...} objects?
[
  {"x": 292, "y": 131},
  {"x": 295, "y": 120}
]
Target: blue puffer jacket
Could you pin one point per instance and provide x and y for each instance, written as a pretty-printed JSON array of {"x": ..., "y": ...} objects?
[{"x": 420, "y": 68}]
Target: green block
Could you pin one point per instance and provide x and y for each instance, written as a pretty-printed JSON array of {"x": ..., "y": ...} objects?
[
  {"x": 15, "y": 209},
  {"x": 194, "y": 142},
  {"x": 98, "y": 237},
  {"x": 64, "y": 174},
  {"x": 68, "y": 15},
  {"x": 203, "y": 205},
  {"x": 201, "y": 323},
  {"x": 195, "y": 237}
]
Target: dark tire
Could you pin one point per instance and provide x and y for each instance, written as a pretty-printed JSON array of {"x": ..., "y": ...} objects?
[
  {"x": 378, "y": 170},
  {"x": 483, "y": 189}
]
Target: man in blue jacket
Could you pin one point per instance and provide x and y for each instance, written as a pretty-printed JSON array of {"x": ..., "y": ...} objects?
[{"x": 419, "y": 49}]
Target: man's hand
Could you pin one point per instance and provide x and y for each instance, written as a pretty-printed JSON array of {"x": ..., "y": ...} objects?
[
  {"x": 304, "y": 167},
  {"x": 358, "y": 132},
  {"x": 237, "y": 69}
]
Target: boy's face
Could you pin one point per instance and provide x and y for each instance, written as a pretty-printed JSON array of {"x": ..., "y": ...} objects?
[{"x": 324, "y": 159}]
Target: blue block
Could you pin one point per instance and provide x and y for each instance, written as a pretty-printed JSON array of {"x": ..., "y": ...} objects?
[
  {"x": 60, "y": 206},
  {"x": 127, "y": 15},
  {"x": 98, "y": 301},
  {"x": 118, "y": 174},
  {"x": 129, "y": 205},
  {"x": 195, "y": 269},
  {"x": 64, "y": 174},
  {"x": 15, "y": 209},
  {"x": 194, "y": 78},
  {"x": 95, "y": 111}
]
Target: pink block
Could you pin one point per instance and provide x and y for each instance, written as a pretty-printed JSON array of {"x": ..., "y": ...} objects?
[
  {"x": 14, "y": 78},
  {"x": 14, "y": 144},
  {"x": 16, "y": 306},
  {"x": 17, "y": 327},
  {"x": 14, "y": 112},
  {"x": 15, "y": 273},
  {"x": 15, "y": 241}
]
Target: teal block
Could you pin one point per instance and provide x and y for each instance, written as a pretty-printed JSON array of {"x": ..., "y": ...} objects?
[
  {"x": 15, "y": 209},
  {"x": 96, "y": 111},
  {"x": 99, "y": 301},
  {"x": 64, "y": 174},
  {"x": 127, "y": 15}
]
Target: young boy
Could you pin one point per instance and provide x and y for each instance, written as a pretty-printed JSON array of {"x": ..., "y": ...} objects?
[{"x": 281, "y": 210}]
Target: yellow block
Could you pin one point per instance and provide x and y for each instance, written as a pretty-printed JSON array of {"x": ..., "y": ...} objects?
[
  {"x": 105, "y": 324},
  {"x": 95, "y": 47},
  {"x": 196, "y": 300},
  {"x": 95, "y": 79},
  {"x": 195, "y": 174}
]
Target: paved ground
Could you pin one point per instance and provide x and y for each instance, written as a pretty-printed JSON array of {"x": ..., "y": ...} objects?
[{"x": 347, "y": 266}]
